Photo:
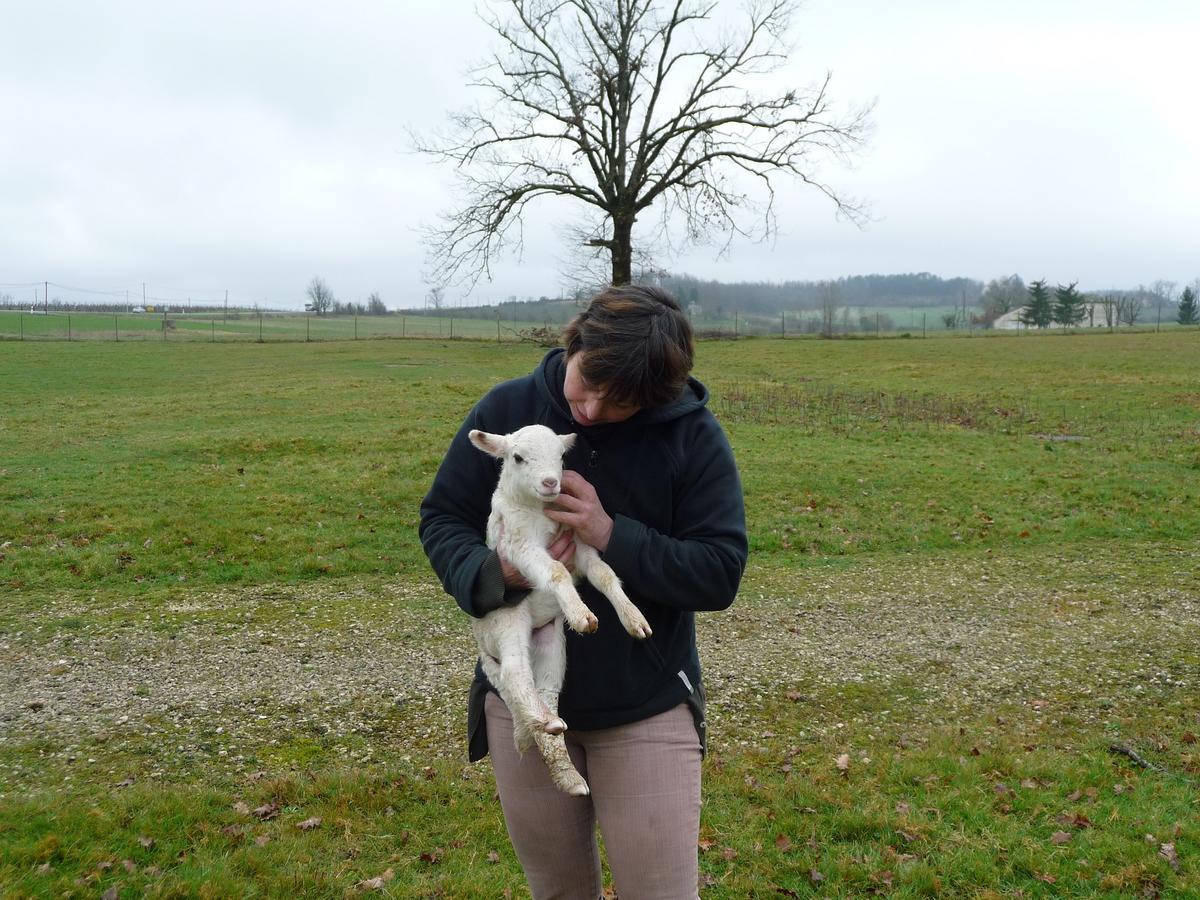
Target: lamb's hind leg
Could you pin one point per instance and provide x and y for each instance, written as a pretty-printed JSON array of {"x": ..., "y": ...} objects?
[
  {"x": 548, "y": 652},
  {"x": 600, "y": 573},
  {"x": 508, "y": 668}
]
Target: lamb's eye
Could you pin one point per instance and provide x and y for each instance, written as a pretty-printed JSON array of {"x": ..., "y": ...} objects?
[{"x": 518, "y": 458}]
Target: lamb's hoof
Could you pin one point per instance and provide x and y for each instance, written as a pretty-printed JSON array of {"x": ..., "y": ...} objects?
[
  {"x": 555, "y": 726},
  {"x": 640, "y": 630},
  {"x": 585, "y": 624},
  {"x": 573, "y": 784}
]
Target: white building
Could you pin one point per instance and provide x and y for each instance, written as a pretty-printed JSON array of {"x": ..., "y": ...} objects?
[{"x": 1097, "y": 314}]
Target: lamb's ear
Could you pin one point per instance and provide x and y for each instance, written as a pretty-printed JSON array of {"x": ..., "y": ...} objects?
[
  {"x": 491, "y": 444},
  {"x": 568, "y": 441}
]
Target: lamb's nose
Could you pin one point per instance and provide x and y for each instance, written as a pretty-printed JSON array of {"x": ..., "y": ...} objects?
[{"x": 550, "y": 484}]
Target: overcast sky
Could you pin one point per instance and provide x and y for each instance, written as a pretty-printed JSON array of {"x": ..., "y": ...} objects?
[{"x": 248, "y": 146}]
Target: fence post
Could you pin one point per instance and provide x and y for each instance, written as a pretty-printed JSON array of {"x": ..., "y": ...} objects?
[
  {"x": 452, "y": 328},
  {"x": 21, "y": 322},
  {"x": 402, "y": 329},
  {"x": 116, "y": 330},
  {"x": 214, "y": 329},
  {"x": 735, "y": 323},
  {"x": 923, "y": 334},
  {"x": 497, "y": 326},
  {"x": 307, "y": 328},
  {"x": 260, "y": 337},
  {"x": 68, "y": 328},
  {"x": 356, "y": 326},
  {"x": 876, "y": 324},
  {"x": 782, "y": 326}
]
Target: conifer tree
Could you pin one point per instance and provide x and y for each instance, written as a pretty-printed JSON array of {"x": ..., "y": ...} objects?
[
  {"x": 1038, "y": 312},
  {"x": 1069, "y": 308},
  {"x": 1188, "y": 314}
]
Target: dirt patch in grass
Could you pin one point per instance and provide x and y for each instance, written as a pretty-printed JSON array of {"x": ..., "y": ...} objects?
[{"x": 232, "y": 681}]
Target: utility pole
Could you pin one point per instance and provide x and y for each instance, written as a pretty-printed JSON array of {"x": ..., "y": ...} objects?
[
  {"x": 226, "y": 318},
  {"x": 46, "y": 295}
]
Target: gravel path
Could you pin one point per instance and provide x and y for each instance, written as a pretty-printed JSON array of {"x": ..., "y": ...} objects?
[{"x": 236, "y": 680}]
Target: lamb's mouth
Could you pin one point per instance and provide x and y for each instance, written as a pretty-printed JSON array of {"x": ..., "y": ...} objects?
[{"x": 548, "y": 497}]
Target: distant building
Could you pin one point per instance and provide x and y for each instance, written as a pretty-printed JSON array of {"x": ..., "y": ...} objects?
[{"x": 1096, "y": 315}]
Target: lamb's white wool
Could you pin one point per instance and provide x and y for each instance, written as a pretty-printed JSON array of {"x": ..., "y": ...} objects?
[{"x": 523, "y": 647}]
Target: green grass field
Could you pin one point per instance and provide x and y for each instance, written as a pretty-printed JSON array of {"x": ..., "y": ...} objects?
[{"x": 974, "y": 570}]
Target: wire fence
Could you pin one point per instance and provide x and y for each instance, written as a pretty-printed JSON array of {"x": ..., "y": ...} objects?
[
  {"x": 261, "y": 326},
  {"x": 256, "y": 327}
]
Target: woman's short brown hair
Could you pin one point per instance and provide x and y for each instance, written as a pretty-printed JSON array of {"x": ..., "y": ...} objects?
[{"x": 635, "y": 343}]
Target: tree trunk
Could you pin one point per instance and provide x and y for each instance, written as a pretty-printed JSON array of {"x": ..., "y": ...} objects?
[{"x": 622, "y": 250}]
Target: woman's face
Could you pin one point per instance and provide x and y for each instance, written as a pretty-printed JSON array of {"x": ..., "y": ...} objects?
[{"x": 587, "y": 401}]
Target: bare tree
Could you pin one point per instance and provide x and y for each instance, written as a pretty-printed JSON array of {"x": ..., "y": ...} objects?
[
  {"x": 628, "y": 104},
  {"x": 320, "y": 297},
  {"x": 831, "y": 299},
  {"x": 1129, "y": 308}
]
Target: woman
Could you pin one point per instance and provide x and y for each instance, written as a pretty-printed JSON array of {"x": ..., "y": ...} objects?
[{"x": 651, "y": 483}]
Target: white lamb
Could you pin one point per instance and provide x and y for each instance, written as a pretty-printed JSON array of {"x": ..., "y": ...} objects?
[{"x": 523, "y": 647}]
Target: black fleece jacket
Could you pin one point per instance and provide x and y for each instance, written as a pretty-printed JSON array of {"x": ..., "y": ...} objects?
[{"x": 667, "y": 478}]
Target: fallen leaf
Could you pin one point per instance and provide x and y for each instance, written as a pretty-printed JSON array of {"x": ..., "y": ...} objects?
[
  {"x": 1167, "y": 852},
  {"x": 309, "y": 824},
  {"x": 130, "y": 865},
  {"x": 433, "y": 857},
  {"x": 493, "y": 857},
  {"x": 241, "y": 808},
  {"x": 843, "y": 763},
  {"x": 1045, "y": 876},
  {"x": 783, "y": 843},
  {"x": 262, "y": 840},
  {"x": 111, "y": 894},
  {"x": 266, "y": 811},
  {"x": 902, "y": 809},
  {"x": 705, "y": 844},
  {"x": 146, "y": 842},
  {"x": 729, "y": 853},
  {"x": 1060, "y": 837},
  {"x": 1188, "y": 737},
  {"x": 787, "y": 892},
  {"x": 377, "y": 883},
  {"x": 794, "y": 696},
  {"x": 815, "y": 877}
]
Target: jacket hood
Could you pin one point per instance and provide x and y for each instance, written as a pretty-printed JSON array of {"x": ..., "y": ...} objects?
[{"x": 552, "y": 371}]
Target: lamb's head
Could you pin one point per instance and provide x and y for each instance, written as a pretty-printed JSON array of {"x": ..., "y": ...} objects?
[{"x": 533, "y": 461}]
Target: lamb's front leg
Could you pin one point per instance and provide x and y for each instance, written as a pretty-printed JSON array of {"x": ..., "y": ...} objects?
[
  {"x": 600, "y": 573},
  {"x": 546, "y": 573}
]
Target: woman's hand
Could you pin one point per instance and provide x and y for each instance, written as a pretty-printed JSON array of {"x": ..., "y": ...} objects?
[
  {"x": 579, "y": 509},
  {"x": 562, "y": 548}
]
